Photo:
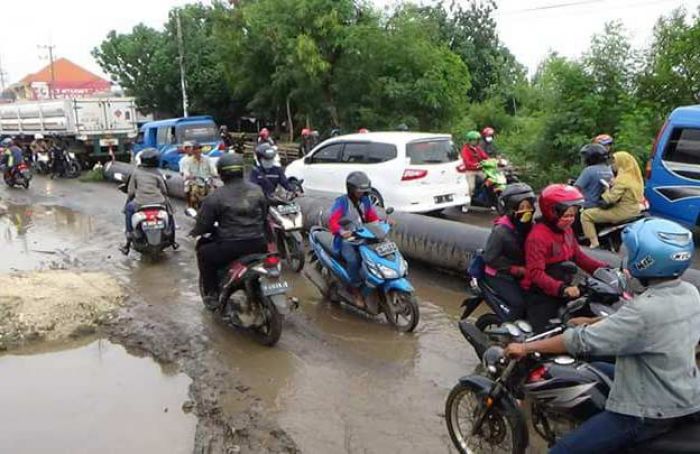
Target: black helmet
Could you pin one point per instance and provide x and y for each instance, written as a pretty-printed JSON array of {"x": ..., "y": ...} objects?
[
  {"x": 511, "y": 197},
  {"x": 594, "y": 153},
  {"x": 149, "y": 157},
  {"x": 358, "y": 181},
  {"x": 230, "y": 166},
  {"x": 402, "y": 127}
]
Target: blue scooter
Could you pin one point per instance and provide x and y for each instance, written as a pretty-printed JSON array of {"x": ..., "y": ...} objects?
[{"x": 385, "y": 287}]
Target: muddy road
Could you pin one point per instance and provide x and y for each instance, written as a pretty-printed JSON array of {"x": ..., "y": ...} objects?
[{"x": 336, "y": 382}]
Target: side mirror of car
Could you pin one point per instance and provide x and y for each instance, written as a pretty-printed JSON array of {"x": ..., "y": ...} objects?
[
  {"x": 389, "y": 210},
  {"x": 307, "y": 160}
]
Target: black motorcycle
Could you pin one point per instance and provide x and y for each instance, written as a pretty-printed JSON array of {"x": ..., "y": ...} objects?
[
  {"x": 485, "y": 413},
  {"x": 602, "y": 291}
]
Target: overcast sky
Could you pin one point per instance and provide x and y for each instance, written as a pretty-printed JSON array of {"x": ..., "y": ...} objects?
[{"x": 530, "y": 28}]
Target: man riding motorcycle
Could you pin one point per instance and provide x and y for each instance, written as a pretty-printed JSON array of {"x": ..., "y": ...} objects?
[
  {"x": 196, "y": 167},
  {"x": 595, "y": 157},
  {"x": 656, "y": 379},
  {"x": 264, "y": 137},
  {"x": 226, "y": 136},
  {"x": 266, "y": 173},
  {"x": 146, "y": 187},
  {"x": 235, "y": 216},
  {"x": 354, "y": 207},
  {"x": 472, "y": 155},
  {"x": 12, "y": 156}
]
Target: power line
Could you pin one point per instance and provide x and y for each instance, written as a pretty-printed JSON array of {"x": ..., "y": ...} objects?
[{"x": 579, "y": 3}]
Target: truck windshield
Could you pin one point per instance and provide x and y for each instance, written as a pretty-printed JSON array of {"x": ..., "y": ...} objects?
[
  {"x": 431, "y": 152},
  {"x": 199, "y": 132}
]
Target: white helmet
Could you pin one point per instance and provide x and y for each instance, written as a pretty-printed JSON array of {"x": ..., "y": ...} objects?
[{"x": 38, "y": 136}]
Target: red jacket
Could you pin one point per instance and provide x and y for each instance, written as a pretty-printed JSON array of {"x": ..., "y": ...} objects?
[
  {"x": 544, "y": 247},
  {"x": 472, "y": 156}
]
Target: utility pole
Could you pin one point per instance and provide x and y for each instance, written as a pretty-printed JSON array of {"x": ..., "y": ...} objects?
[
  {"x": 50, "y": 48},
  {"x": 3, "y": 74},
  {"x": 181, "y": 50}
]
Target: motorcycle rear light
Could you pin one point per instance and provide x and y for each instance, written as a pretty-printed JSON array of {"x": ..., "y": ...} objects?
[
  {"x": 151, "y": 214},
  {"x": 272, "y": 261},
  {"x": 537, "y": 374},
  {"x": 413, "y": 174},
  {"x": 461, "y": 168},
  {"x": 222, "y": 147}
]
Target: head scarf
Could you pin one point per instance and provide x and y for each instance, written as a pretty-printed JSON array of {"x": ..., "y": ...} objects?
[{"x": 629, "y": 174}]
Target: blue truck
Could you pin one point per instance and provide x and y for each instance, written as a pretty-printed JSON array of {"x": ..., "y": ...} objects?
[
  {"x": 167, "y": 136},
  {"x": 673, "y": 170}
]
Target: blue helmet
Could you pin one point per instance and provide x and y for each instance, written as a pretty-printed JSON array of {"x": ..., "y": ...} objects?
[
  {"x": 657, "y": 248},
  {"x": 6, "y": 142}
]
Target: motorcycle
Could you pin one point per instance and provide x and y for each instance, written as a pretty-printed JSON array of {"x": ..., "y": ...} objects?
[
  {"x": 68, "y": 165},
  {"x": 286, "y": 221},
  {"x": 508, "y": 170},
  {"x": 252, "y": 295},
  {"x": 489, "y": 188},
  {"x": 484, "y": 412},
  {"x": 18, "y": 176},
  {"x": 42, "y": 163},
  {"x": 604, "y": 291},
  {"x": 197, "y": 189},
  {"x": 385, "y": 287}
]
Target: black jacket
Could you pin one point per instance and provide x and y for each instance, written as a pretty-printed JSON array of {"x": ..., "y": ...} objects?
[
  {"x": 240, "y": 209},
  {"x": 504, "y": 248}
]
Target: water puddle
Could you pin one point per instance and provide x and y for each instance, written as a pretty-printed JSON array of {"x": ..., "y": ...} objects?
[{"x": 94, "y": 398}]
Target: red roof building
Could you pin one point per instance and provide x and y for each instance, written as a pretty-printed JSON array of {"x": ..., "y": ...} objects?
[{"x": 69, "y": 81}]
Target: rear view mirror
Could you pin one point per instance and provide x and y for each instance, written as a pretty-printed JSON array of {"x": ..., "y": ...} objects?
[
  {"x": 389, "y": 210},
  {"x": 191, "y": 213}
]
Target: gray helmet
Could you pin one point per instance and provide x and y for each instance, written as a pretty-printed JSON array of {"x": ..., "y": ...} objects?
[
  {"x": 594, "y": 153},
  {"x": 149, "y": 157},
  {"x": 230, "y": 166},
  {"x": 6, "y": 142},
  {"x": 512, "y": 196},
  {"x": 358, "y": 181},
  {"x": 265, "y": 152}
]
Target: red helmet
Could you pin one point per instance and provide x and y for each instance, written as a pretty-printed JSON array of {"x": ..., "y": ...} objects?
[
  {"x": 305, "y": 132},
  {"x": 557, "y": 198},
  {"x": 363, "y": 130},
  {"x": 603, "y": 139},
  {"x": 264, "y": 134},
  {"x": 488, "y": 132}
]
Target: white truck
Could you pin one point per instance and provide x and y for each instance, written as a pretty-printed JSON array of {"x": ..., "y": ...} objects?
[{"x": 94, "y": 128}]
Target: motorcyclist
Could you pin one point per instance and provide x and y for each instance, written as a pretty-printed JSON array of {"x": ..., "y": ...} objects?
[
  {"x": 193, "y": 167},
  {"x": 37, "y": 147},
  {"x": 472, "y": 155},
  {"x": 487, "y": 141},
  {"x": 12, "y": 156},
  {"x": 266, "y": 173},
  {"x": 656, "y": 379},
  {"x": 504, "y": 254},
  {"x": 264, "y": 137},
  {"x": 57, "y": 158},
  {"x": 354, "y": 207},
  {"x": 235, "y": 216},
  {"x": 226, "y": 137},
  {"x": 146, "y": 187},
  {"x": 621, "y": 202},
  {"x": 307, "y": 142},
  {"x": 595, "y": 157},
  {"x": 551, "y": 242}
]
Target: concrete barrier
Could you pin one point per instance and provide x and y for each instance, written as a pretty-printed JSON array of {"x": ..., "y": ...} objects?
[{"x": 445, "y": 244}]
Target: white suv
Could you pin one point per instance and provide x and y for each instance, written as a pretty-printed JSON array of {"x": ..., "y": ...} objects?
[{"x": 411, "y": 172}]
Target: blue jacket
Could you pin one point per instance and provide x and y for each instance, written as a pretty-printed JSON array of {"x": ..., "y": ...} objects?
[
  {"x": 343, "y": 209},
  {"x": 268, "y": 179},
  {"x": 13, "y": 156}
]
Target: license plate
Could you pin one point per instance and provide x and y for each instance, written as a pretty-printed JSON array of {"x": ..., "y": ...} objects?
[
  {"x": 444, "y": 198},
  {"x": 274, "y": 288},
  {"x": 153, "y": 225},
  {"x": 386, "y": 248},
  {"x": 287, "y": 209}
]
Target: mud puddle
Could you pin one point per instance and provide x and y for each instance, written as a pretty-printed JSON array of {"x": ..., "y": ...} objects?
[{"x": 94, "y": 398}]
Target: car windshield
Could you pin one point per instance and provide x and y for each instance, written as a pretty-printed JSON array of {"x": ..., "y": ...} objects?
[
  {"x": 437, "y": 151},
  {"x": 200, "y": 133}
]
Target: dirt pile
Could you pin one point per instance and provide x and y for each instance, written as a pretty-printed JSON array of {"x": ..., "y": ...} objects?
[{"x": 54, "y": 305}]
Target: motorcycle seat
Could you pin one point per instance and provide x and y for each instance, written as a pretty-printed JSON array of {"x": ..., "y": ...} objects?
[
  {"x": 153, "y": 206},
  {"x": 251, "y": 258},
  {"x": 325, "y": 239}
]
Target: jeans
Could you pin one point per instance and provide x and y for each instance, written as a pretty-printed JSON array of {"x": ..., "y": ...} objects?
[
  {"x": 609, "y": 432},
  {"x": 129, "y": 210},
  {"x": 351, "y": 256},
  {"x": 509, "y": 290}
]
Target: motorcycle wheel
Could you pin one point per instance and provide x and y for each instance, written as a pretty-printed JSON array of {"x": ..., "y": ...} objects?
[
  {"x": 503, "y": 431},
  {"x": 487, "y": 321},
  {"x": 25, "y": 183},
  {"x": 294, "y": 251},
  {"x": 269, "y": 333},
  {"x": 402, "y": 313},
  {"x": 73, "y": 170}
]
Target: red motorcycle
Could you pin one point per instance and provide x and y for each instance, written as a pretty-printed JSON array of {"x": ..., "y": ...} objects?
[{"x": 18, "y": 176}]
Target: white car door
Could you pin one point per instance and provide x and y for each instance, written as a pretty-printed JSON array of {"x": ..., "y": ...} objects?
[{"x": 321, "y": 167}]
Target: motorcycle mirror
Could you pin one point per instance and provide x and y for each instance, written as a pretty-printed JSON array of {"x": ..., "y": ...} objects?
[
  {"x": 191, "y": 213},
  {"x": 389, "y": 210},
  {"x": 523, "y": 326},
  {"x": 513, "y": 330}
]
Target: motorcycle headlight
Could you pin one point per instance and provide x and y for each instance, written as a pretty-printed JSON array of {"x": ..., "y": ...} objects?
[
  {"x": 382, "y": 272},
  {"x": 403, "y": 267}
]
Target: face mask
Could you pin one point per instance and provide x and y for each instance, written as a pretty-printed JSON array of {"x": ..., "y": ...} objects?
[
  {"x": 524, "y": 217},
  {"x": 564, "y": 223},
  {"x": 488, "y": 139}
]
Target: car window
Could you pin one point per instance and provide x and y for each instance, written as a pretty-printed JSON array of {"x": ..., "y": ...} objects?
[
  {"x": 355, "y": 153},
  {"x": 327, "y": 155},
  {"x": 381, "y": 152},
  {"x": 163, "y": 136},
  {"x": 198, "y": 132},
  {"x": 683, "y": 146},
  {"x": 437, "y": 151}
]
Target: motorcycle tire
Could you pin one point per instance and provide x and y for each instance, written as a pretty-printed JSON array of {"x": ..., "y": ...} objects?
[
  {"x": 25, "y": 183},
  {"x": 73, "y": 170},
  {"x": 294, "y": 251},
  {"x": 408, "y": 309},
  {"x": 486, "y": 321},
  {"x": 501, "y": 417},
  {"x": 271, "y": 331}
]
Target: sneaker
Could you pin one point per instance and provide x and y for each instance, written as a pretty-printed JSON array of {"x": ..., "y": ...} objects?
[{"x": 124, "y": 249}]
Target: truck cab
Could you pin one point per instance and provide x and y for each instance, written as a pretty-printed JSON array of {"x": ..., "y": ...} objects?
[{"x": 167, "y": 136}]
